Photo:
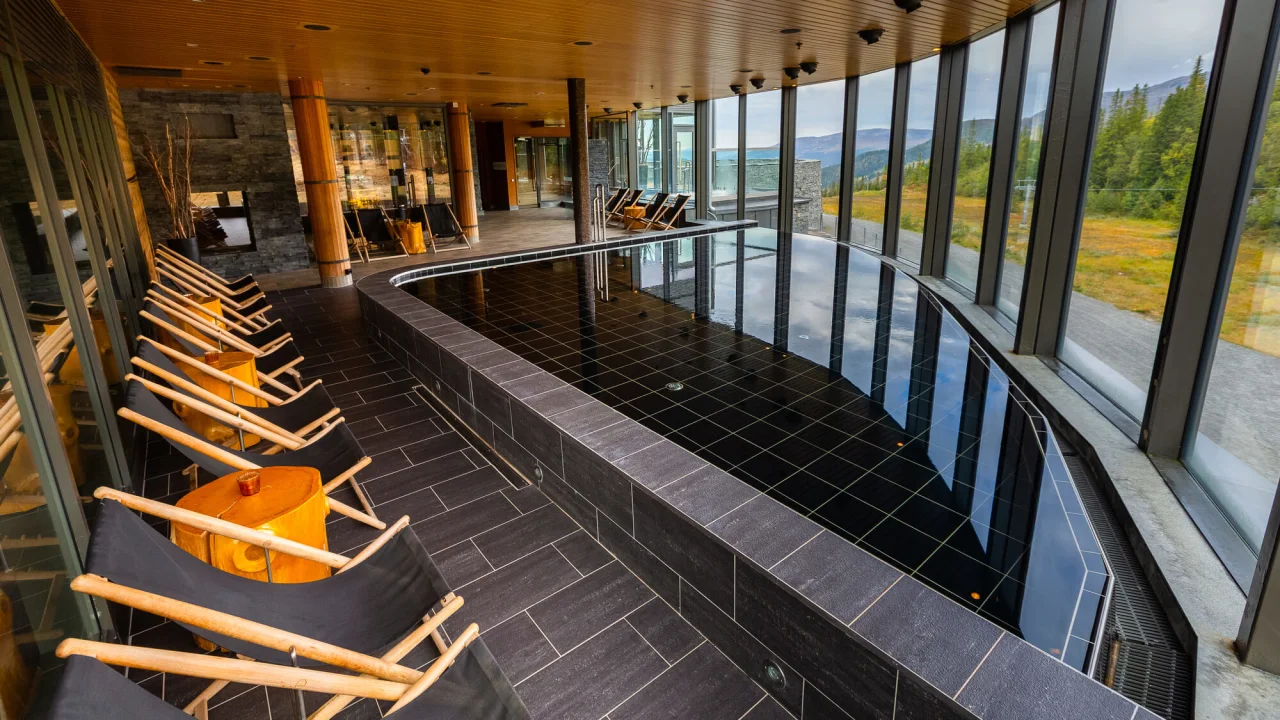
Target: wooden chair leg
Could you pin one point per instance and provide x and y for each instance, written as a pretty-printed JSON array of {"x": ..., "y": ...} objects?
[{"x": 199, "y": 707}]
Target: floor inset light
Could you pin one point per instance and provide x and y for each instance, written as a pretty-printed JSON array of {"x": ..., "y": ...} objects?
[{"x": 975, "y": 596}]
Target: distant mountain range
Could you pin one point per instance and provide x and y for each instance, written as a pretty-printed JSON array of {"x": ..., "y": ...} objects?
[
  {"x": 1156, "y": 94},
  {"x": 872, "y": 148}
]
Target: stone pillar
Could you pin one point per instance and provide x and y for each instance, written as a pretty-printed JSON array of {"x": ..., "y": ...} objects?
[
  {"x": 319, "y": 173},
  {"x": 578, "y": 160},
  {"x": 464, "y": 187}
]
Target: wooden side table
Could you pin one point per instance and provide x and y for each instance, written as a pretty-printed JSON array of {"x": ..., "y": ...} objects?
[
  {"x": 633, "y": 216},
  {"x": 239, "y": 365},
  {"x": 290, "y": 504}
]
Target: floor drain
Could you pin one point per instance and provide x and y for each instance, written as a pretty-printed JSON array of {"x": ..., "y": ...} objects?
[{"x": 675, "y": 386}]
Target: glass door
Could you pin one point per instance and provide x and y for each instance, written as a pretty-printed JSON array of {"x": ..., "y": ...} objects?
[
  {"x": 553, "y": 162},
  {"x": 526, "y": 183}
]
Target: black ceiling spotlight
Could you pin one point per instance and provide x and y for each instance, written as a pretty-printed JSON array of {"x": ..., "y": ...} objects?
[
  {"x": 683, "y": 99},
  {"x": 809, "y": 66},
  {"x": 792, "y": 72},
  {"x": 757, "y": 83},
  {"x": 737, "y": 89},
  {"x": 871, "y": 35},
  {"x": 637, "y": 105},
  {"x": 425, "y": 71},
  {"x": 909, "y": 5},
  {"x": 608, "y": 111}
]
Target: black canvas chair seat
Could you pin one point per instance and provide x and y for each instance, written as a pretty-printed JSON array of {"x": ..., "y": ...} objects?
[
  {"x": 297, "y": 413},
  {"x": 367, "y": 609},
  {"x": 267, "y": 363},
  {"x": 332, "y": 455},
  {"x": 254, "y": 307},
  {"x": 241, "y": 284},
  {"x": 89, "y": 690},
  {"x": 279, "y": 356},
  {"x": 267, "y": 335}
]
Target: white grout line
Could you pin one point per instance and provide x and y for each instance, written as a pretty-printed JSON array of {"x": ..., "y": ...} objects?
[
  {"x": 645, "y": 639},
  {"x": 793, "y": 552},
  {"x": 873, "y": 602},
  {"x": 654, "y": 678},
  {"x": 735, "y": 507},
  {"x": 550, "y": 644},
  {"x": 980, "y": 664}
]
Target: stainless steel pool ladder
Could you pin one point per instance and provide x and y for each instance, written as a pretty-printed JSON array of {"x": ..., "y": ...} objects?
[{"x": 599, "y": 216}]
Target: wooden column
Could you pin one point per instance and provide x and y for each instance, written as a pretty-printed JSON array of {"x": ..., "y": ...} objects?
[
  {"x": 320, "y": 175},
  {"x": 464, "y": 187},
  {"x": 578, "y": 160}
]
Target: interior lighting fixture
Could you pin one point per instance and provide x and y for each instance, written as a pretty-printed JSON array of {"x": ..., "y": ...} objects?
[
  {"x": 789, "y": 31},
  {"x": 583, "y": 43},
  {"x": 317, "y": 27},
  {"x": 683, "y": 99},
  {"x": 871, "y": 35},
  {"x": 637, "y": 105},
  {"x": 792, "y": 72},
  {"x": 757, "y": 83},
  {"x": 737, "y": 89},
  {"x": 809, "y": 66},
  {"x": 909, "y": 5}
]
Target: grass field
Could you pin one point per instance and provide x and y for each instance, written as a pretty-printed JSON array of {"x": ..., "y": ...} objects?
[{"x": 1126, "y": 262}]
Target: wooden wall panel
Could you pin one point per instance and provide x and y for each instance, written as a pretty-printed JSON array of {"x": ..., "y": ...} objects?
[{"x": 130, "y": 172}]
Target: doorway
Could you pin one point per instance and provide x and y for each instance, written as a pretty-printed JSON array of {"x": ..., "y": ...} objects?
[{"x": 543, "y": 171}]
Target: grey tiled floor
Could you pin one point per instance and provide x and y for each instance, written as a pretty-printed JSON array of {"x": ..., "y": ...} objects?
[{"x": 577, "y": 633}]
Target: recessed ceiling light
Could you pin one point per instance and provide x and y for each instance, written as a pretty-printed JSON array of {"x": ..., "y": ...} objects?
[
  {"x": 239, "y": 86},
  {"x": 193, "y": 44},
  {"x": 937, "y": 49},
  {"x": 685, "y": 87},
  {"x": 789, "y": 31},
  {"x": 430, "y": 88},
  {"x": 746, "y": 70},
  {"x": 212, "y": 62},
  {"x": 539, "y": 93},
  {"x": 583, "y": 43},
  {"x": 259, "y": 58},
  {"x": 317, "y": 27},
  {"x": 484, "y": 72},
  {"x": 411, "y": 94}
]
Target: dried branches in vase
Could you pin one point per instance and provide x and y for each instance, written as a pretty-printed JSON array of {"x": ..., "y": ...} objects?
[{"x": 172, "y": 169}]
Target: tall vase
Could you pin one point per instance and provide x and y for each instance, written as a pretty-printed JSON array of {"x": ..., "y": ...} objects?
[{"x": 187, "y": 247}]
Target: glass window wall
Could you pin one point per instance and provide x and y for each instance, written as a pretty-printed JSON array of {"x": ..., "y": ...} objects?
[
  {"x": 649, "y": 147},
  {"x": 724, "y": 157},
  {"x": 915, "y": 160},
  {"x": 1026, "y": 162},
  {"x": 764, "y": 134},
  {"x": 819, "y": 140},
  {"x": 973, "y": 166},
  {"x": 871, "y": 158},
  {"x": 683, "y": 127},
  {"x": 1231, "y": 448},
  {"x": 1145, "y": 140}
]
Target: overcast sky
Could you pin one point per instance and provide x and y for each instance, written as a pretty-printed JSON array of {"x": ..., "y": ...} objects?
[{"x": 1152, "y": 41}]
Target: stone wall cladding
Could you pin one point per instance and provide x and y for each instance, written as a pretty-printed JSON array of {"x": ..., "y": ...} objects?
[
  {"x": 774, "y": 591},
  {"x": 257, "y": 160}
]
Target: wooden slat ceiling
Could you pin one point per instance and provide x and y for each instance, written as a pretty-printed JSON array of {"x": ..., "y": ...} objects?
[{"x": 646, "y": 52}]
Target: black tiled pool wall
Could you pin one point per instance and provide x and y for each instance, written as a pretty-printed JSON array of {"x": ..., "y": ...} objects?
[
  {"x": 772, "y": 589},
  {"x": 883, "y": 423}
]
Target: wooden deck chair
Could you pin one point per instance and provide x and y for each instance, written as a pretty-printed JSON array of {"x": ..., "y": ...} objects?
[
  {"x": 335, "y": 453},
  {"x": 229, "y": 317},
  {"x": 365, "y": 618},
  {"x": 393, "y": 232},
  {"x": 251, "y": 312},
  {"x": 464, "y": 683},
  {"x": 232, "y": 286},
  {"x": 190, "y": 364},
  {"x": 615, "y": 198},
  {"x": 257, "y": 341},
  {"x": 310, "y": 412},
  {"x": 631, "y": 197},
  {"x": 270, "y": 365},
  {"x": 667, "y": 217},
  {"x": 439, "y": 222},
  {"x": 356, "y": 241}
]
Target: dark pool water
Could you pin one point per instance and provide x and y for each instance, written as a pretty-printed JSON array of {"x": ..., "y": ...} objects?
[{"x": 833, "y": 383}]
